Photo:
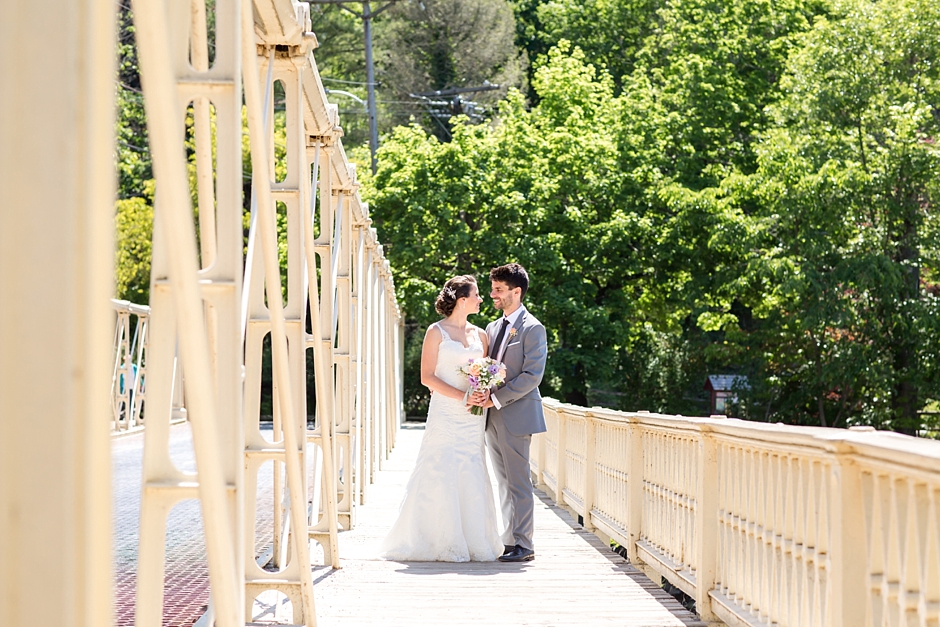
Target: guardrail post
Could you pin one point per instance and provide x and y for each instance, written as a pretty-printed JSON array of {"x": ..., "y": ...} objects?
[
  {"x": 561, "y": 459},
  {"x": 635, "y": 489},
  {"x": 847, "y": 556},
  {"x": 590, "y": 431},
  {"x": 543, "y": 437},
  {"x": 706, "y": 524}
]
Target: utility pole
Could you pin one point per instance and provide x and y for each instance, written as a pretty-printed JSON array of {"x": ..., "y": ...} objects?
[{"x": 366, "y": 16}]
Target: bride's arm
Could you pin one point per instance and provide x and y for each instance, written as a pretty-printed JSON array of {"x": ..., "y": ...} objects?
[
  {"x": 432, "y": 342},
  {"x": 485, "y": 339}
]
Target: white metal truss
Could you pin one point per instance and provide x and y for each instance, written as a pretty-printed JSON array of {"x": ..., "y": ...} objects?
[
  {"x": 194, "y": 292},
  {"x": 215, "y": 314}
]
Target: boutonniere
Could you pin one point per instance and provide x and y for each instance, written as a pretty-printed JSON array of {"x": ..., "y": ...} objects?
[{"x": 513, "y": 332}]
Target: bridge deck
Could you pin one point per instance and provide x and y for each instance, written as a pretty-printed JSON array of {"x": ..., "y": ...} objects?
[{"x": 574, "y": 580}]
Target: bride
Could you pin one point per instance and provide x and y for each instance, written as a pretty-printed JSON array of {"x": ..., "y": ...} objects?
[{"x": 449, "y": 513}]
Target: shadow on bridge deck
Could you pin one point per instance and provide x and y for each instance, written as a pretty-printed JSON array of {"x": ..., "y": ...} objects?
[{"x": 575, "y": 579}]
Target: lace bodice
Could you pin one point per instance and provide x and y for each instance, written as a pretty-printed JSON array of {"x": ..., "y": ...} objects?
[{"x": 452, "y": 355}]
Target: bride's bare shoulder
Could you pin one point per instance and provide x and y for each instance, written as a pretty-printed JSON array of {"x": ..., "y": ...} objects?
[{"x": 480, "y": 333}]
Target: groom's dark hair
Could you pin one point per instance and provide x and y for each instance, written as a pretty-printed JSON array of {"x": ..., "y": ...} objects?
[{"x": 513, "y": 275}]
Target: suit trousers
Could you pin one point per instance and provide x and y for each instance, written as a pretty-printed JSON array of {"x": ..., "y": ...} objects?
[{"x": 510, "y": 456}]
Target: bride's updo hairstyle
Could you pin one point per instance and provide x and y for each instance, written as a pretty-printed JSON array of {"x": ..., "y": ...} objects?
[{"x": 457, "y": 287}]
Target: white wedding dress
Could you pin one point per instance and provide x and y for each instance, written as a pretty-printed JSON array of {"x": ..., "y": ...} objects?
[{"x": 448, "y": 513}]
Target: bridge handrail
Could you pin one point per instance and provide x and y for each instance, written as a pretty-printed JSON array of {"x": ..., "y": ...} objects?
[
  {"x": 128, "y": 364},
  {"x": 760, "y": 523},
  {"x": 129, "y": 369}
]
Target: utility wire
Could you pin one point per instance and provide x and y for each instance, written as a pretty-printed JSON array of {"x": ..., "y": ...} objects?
[{"x": 339, "y": 80}]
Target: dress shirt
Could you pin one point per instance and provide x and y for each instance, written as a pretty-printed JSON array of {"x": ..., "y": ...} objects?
[{"x": 513, "y": 320}]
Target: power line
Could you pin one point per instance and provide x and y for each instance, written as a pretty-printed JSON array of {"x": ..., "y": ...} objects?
[
  {"x": 339, "y": 80},
  {"x": 366, "y": 15}
]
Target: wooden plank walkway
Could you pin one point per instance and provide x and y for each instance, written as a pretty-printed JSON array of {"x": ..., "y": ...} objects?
[{"x": 574, "y": 580}]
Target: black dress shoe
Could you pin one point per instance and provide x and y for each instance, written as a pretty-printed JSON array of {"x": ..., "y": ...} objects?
[
  {"x": 518, "y": 554},
  {"x": 507, "y": 548}
]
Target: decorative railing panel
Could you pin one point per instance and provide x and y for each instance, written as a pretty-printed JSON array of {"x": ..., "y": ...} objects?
[
  {"x": 575, "y": 454},
  {"x": 760, "y": 524},
  {"x": 129, "y": 370},
  {"x": 670, "y": 458},
  {"x": 611, "y": 465}
]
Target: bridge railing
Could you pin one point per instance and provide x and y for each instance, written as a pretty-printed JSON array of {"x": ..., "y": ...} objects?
[
  {"x": 129, "y": 368},
  {"x": 762, "y": 524},
  {"x": 128, "y": 365}
]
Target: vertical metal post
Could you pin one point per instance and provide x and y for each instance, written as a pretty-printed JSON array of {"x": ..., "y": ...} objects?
[
  {"x": 366, "y": 17},
  {"x": 370, "y": 83}
]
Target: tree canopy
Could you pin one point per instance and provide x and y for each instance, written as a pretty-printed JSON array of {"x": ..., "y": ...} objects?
[
  {"x": 723, "y": 187},
  {"x": 696, "y": 187}
]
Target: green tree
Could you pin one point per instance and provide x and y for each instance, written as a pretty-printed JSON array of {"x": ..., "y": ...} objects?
[
  {"x": 132, "y": 147},
  {"x": 134, "y": 226},
  {"x": 539, "y": 188},
  {"x": 852, "y": 171},
  {"x": 431, "y": 45},
  {"x": 610, "y": 32}
]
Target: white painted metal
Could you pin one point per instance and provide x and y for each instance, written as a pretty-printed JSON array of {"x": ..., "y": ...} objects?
[
  {"x": 128, "y": 375},
  {"x": 290, "y": 374},
  {"x": 57, "y": 251},
  {"x": 197, "y": 306},
  {"x": 323, "y": 523},
  {"x": 357, "y": 305},
  {"x": 56, "y": 276},
  {"x": 343, "y": 313},
  {"x": 761, "y": 524}
]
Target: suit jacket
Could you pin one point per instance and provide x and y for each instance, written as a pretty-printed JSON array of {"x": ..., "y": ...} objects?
[{"x": 524, "y": 358}]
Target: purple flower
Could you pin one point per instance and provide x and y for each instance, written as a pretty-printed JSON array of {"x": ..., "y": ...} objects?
[
  {"x": 493, "y": 368},
  {"x": 474, "y": 381},
  {"x": 470, "y": 361}
]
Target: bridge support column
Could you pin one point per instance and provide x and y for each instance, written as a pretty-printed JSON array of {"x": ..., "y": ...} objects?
[
  {"x": 367, "y": 294},
  {"x": 375, "y": 340},
  {"x": 360, "y": 481},
  {"x": 322, "y": 295},
  {"x": 342, "y": 356},
  {"x": 56, "y": 260},
  {"x": 194, "y": 292}
]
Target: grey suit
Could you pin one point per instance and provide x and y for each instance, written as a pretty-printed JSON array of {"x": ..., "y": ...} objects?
[{"x": 509, "y": 429}]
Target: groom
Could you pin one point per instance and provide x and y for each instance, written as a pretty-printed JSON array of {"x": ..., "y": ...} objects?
[{"x": 514, "y": 413}]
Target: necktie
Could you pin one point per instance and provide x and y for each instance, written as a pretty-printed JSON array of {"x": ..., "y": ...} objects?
[{"x": 494, "y": 349}]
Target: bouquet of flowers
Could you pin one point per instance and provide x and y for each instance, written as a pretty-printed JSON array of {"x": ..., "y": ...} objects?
[{"x": 482, "y": 373}]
